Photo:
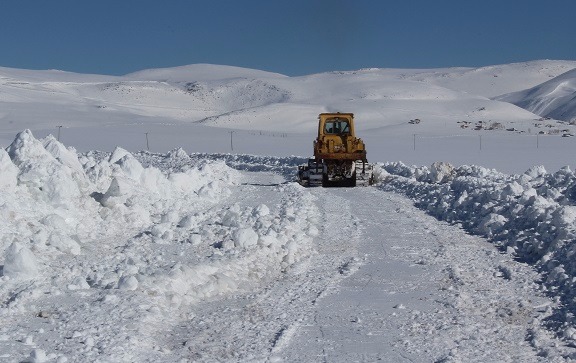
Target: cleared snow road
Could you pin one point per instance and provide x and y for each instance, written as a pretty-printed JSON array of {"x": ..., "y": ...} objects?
[
  {"x": 418, "y": 290},
  {"x": 361, "y": 318}
]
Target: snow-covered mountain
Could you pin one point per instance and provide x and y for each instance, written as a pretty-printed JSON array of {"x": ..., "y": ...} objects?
[
  {"x": 162, "y": 109},
  {"x": 249, "y": 99},
  {"x": 555, "y": 98},
  {"x": 199, "y": 72},
  {"x": 492, "y": 81},
  {"x": 244, "y": 98}
]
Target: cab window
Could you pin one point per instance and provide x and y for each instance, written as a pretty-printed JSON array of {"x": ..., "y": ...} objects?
[{"x": 336, "y": 126}]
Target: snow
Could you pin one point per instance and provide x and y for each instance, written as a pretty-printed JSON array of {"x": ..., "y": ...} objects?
[
  {"x": 68, "y": 229},
  {"x": 219, "y": 109},
  {"x": 200, "y": 72},
  {"x": 555, "y": 98},
  {"x": 19, "y": 262},
  {"x": 531, "y": 215},
  {"x": 191, "y": 253},
  {"x": 425, "y": 286}
]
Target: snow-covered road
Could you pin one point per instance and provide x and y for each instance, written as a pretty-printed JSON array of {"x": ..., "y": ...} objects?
[
  {"x": 357, "y": 320},
  {"x": 386, "y": 282},
  {"x": 419, "y": 291}
]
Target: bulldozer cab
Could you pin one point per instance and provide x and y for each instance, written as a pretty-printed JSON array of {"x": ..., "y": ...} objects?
[
  {"x": 336, "y": 124},
  {"x": 336, "y": 139}
]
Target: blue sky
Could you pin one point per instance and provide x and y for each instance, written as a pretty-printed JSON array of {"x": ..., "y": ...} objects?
[{"x": 293, "y": 37}]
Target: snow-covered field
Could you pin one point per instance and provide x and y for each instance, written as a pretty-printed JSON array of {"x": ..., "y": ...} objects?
[
  {"x": 200, "y": 108},
  {"x": 204, "y": 248}
]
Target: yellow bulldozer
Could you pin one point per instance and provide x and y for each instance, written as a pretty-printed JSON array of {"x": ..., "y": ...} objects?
[{"x": 339, "y": 156}]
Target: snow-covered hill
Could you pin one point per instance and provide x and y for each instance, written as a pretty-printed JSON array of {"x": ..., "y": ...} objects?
[
  {"x": 268, "y": 113},
  {"x": 555, "y": 98},
  {"x": 495, "y": 80},
  {"x": 199, "y": 72},
  {"x": 246, "y": 99}
]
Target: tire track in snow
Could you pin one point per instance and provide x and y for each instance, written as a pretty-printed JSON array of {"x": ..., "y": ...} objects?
[
  {"x": 258, "y": 324},
  {"x": 426, "y": 291},
  {"x": 353, "y": 323}
]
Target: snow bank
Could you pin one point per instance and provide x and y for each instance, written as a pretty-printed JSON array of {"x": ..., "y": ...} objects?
[
  {"x": 109, "y": 242},
  {"x": 55, "y": 201},
  {"x": 532, "y": 215},
  {"x": 251, "y": 245},
  {"x": 179, "y": 160}
]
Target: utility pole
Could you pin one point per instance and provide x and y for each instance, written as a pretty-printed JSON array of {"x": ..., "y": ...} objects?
[
  {"x": 414, "y": 141},
  {"x": 231, "y": 144},
  {"x": 480, "y": 142},
  {"x": 59, "y": 127},
  {"x": 147, "y": 146}
]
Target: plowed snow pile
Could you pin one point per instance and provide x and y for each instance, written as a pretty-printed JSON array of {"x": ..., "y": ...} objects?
[
  {"x": 531, "y": 215},
  {"x": 101, "y": 255}
]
